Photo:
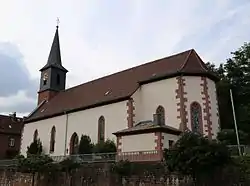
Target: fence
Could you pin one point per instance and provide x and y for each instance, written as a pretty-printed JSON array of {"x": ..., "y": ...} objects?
[
  {"x": 245, "y": 150},
  {"x": 138, "y": 156}
]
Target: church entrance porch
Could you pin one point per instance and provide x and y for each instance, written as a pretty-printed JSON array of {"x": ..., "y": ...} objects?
[{"x": 145, "y": 141}]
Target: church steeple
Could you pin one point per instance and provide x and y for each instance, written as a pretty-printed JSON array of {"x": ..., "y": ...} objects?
[
  {"x": 54, "y": 59},
  {"x": 53, "y": 74}
]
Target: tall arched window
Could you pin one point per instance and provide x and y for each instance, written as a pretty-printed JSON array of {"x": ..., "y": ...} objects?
[
  {"x": 196, "y": 117},
  {"x": 52, "y": 139},
  {"x": 35, "y": 135},
  {"x": 160, "y": 115},
  {"x": 101, "y": 129},
  {"x": 74, "y": 140}
]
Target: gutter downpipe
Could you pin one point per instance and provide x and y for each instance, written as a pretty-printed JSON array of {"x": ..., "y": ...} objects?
[{"x": 66, "y": 134}]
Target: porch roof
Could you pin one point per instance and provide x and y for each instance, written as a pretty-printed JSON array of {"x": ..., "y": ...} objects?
[{"x": 147, "y": 127}]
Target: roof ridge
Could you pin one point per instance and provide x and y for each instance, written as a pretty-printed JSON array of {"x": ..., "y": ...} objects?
[
  {"x": 7, "y": 116},
  {"x": 201, "y": 62},
  {"x": 36, "y": 108},
  {"x": 186, "y": 60},
  {"x": 147, "y": 63}
]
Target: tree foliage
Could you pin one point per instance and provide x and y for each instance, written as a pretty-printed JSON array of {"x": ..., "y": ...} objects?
[
  {"x": 228, "y": 137},
  {"x": 85, "y": 146},
  {"x": 196, "y": 155},
  {"x": 105, "y": 147},
  {"x": 234, "y": 74},
  {"x": 33, "y": 163},
  {"x": 35, "y": 148}
]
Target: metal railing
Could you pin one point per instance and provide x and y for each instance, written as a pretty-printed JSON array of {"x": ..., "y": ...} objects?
[
  {"x": 245, "y": 150},
  {"x": 152, "y": 155},
  {"x": 88, "y": 158},
  {"x": 134, "y": 156}
]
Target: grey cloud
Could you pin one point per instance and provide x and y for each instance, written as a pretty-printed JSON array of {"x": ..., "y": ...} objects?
[{"x": 14, "y": 77}]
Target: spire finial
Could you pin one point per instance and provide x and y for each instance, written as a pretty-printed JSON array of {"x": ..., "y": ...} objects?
[{"x": 57, "y": 22}]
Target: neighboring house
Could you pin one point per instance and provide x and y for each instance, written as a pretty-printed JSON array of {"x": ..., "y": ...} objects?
[
  {"x": 143, "y": 108},
  {"x": 10, "y": 135}
]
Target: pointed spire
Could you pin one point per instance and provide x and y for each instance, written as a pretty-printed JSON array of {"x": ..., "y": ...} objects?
[{"x": 54, "y": 59}]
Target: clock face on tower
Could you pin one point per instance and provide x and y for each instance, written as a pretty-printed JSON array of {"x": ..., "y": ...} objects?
[{"x": 45, "y": 76}]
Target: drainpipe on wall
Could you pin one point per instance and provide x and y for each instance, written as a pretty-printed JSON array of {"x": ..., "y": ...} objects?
[{"x": 66, "y": 133}]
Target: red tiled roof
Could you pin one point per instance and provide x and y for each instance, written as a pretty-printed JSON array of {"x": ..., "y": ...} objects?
[
  {"x": 10, "y": 125},
  {"x": 121, "y": 85}
]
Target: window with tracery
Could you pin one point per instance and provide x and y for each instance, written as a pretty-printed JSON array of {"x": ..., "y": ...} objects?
[
  {"x": 160, "y": 115},
  {"x": 101, "y": 129},
  {"x": 52, "y": 139},
  {"x": 74, "y": 141},
  {"x": 35, "y": 135},
  {"x": 196, "y": 117}
]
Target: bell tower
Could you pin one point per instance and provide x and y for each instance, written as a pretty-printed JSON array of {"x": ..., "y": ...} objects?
[{"x": 53, "y": 74}]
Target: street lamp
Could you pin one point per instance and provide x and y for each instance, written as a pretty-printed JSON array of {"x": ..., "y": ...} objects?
[{"x": 235, "y": 122}]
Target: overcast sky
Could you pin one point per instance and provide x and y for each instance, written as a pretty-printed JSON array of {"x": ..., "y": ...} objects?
[{"x": 102, "y": 37}]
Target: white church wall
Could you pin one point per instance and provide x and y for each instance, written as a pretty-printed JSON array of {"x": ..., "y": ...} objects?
[
  {"x": 44, "y": 129},
  {"x": 214, "y": 107},
  {"x": 86, "y": 121},
  {"x": 194, "y": 88},
  {"x": 150, "y": 96},
  {"x": 166, "y": 138},
  {"x": 82, "y": 122},
  {"x": 139, "y": 142}
]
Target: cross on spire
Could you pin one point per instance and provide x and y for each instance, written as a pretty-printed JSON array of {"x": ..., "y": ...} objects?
[{"x": 57, "y": 22}]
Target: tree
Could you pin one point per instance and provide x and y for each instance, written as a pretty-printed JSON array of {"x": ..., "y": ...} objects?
[
  {"x": 234, "y": 74},
  {"x": 85, "y": 146},
  {"x": 238, "y": 74},
  {"x": 105, "y": 147},
  {"x": 34, "y": 163},
  {"x": 197, "y": 156},
  {"x": 228, "y": 137},
  {"x": 35, "y": 148}
]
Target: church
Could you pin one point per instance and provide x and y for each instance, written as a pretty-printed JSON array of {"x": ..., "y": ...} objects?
[{"x": 144, "y": 109}]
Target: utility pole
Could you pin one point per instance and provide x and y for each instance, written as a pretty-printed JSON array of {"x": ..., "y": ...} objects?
[{"x": 235, "y": 123}]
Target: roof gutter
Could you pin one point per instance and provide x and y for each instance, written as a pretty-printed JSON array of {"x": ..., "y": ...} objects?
[
  {"x": 166, "y": 76},
  {"x": 77, "y": 109}
]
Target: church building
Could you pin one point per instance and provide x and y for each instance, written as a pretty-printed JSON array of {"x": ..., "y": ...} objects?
[{"x": 143, "y": 109}]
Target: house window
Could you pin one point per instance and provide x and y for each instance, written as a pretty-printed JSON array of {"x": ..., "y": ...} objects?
[
  {"x": 52, "y": 139},
  {"x": 35, "y": 136},
  {"x": 11, "y": 142},
  {"x": 160, "y": 115},
  {"x": 74, "y": 143},
  {"x": 101, "y": 129},
  {"x": 196, "y": 117},
  {"x": 170, "y": 143}
]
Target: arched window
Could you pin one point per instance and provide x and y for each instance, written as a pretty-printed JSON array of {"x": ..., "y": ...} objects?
[
  {"x": 160, "y": 115},
  {"x": 196, "y": 117},
  {"x": 52, "y": 139},
  {"x": 74, "y": 143},
  {"x": 35, "y": 135},
  {"x": 101, "y": 129}
]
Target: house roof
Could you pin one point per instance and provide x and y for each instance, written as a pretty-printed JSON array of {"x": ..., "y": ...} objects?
[
  {"x": 10, "y": 125},
  {"x": 120, "y": 86},
  {"x": 146, "y": 127}
]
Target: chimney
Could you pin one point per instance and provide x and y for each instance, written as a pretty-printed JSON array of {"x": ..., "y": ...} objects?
[{"x": 13, "y": 116}]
